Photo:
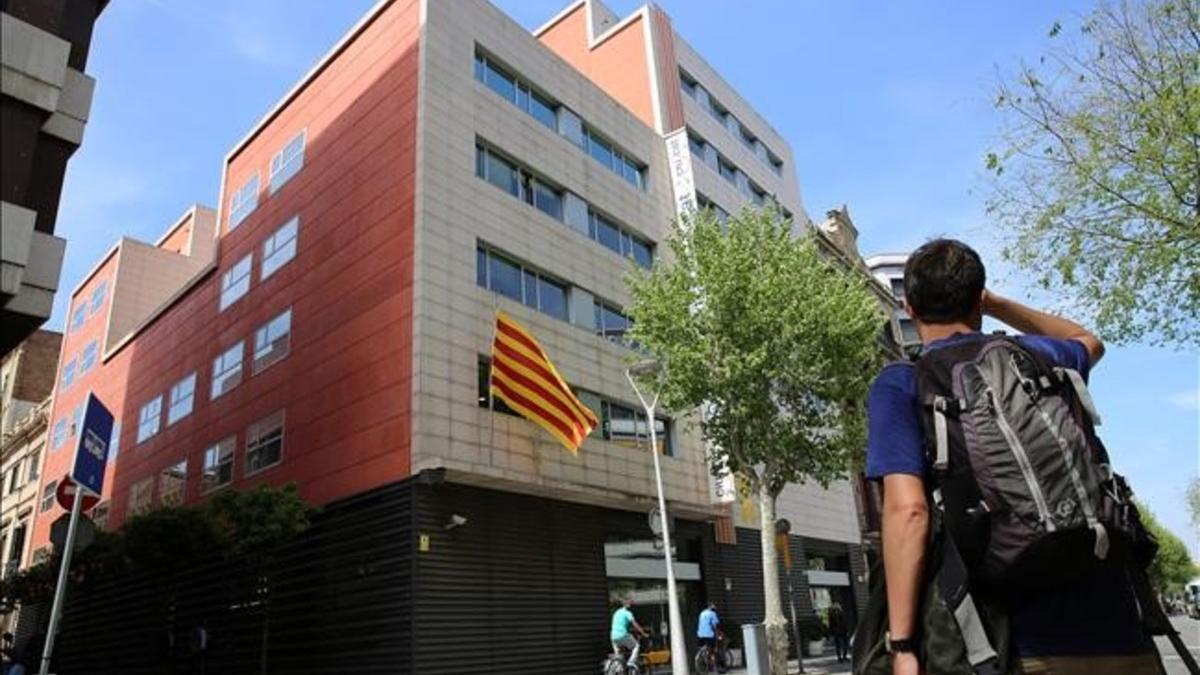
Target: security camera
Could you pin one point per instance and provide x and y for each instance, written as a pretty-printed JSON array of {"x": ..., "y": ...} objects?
[{"x": 456, "y": 521}]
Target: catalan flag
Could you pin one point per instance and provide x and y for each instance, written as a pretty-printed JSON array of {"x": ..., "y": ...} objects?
[{"x": 524, "y": 378}]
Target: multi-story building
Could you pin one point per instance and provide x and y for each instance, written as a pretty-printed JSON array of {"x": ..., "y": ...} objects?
[
  {"x": 44, "y": 100},
  {"x": 888, "y": 268},
  {"x": 330, "y": 324},
  {"x": 26, "y": 380}
]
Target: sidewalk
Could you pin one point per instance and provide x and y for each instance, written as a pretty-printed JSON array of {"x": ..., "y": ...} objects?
[{"x": 819, "y": 665}]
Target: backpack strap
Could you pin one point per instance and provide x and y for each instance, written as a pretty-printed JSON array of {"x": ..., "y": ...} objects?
[
  {"x": 943, "y": 406},
  {"x": 1072, "y": 377},
  {"x": 952, "y": 586}
]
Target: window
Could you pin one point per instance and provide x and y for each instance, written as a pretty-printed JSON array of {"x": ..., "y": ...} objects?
[
  {"x": 68, "y": 375},
  {"x": 218, "y": 465},
  {"x": 149, "y": 418},
  {"x": 272, "y": 341},
  {"x": 502, "y": 275},
  {"x": 775, "y": 162},
  {"x": 264, "y": 443},
  {"x": 244, "y": 201},
  {"x": 546, "y": 199},
  {"x": 14, "y": 478},
  {"x": 279, "y": 248},
  {"x": 35, "y": 462},
  {"x": 114, "y": 442},
  {"x": 717, "y": 110},
  {"x": 550, "y": 200},
  {"x": 498, "y": 273},
  {"x": 236, "y": 281},
  {"x": 603, "y": 151},
  {"x": 897, "y": 287},
  {"x": 59, "y": 435},
  {"x": 100, "y": 516},
  {"x": 757, "y": 195},
  {"x": 746, "y": 137},
  {"x": 620, "y": 240},
  {"x": 705, "y": 203},
  {"x": 499, "y": 81},
  {"x": 697, "y": 146},
  {"x": 515, "y": 91},
  {"x": 171, "y": 484},
  {"x": 97, "y": 300},
  {"x": 47, "y": 502},
  {"x": 611, "y": 322},
  {"x": 543, "y": 110},
  {"x": 728, "y": 171},
  {"x": 288, "y": 161},
  {"x": 486, "y": 400},
  {"x": 183, "y": 394},
  {"x": 626, "y": 426},
  {"x": 606, "y": 232},
  {"x": 141, "y": 496},
  {"x": 600, "y": 150},
  {"x": 88, "y": 358},
  {"x": 642, "y": 252},
  {"x": 687, "y": 84},
  {"x": 497, "y": 171},
  {"x": 227, "y": 370},
  {"x": 76, "y": 420},
  {"x": 79, "y": 316},
  {"x": 519, "y": 183}
]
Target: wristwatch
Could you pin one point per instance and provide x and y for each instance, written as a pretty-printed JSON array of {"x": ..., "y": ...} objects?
[{"x": 899, "y": 645}]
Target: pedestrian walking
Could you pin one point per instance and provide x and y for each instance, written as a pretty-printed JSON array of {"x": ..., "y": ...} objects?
[
  {"x": 839, "y": 631},
  {"x": 985, "y": 446}
]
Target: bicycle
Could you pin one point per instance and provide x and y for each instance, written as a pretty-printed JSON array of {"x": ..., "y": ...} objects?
[
  {"x": 713, "y": 658},
  {"x": 618, "y": 664}
]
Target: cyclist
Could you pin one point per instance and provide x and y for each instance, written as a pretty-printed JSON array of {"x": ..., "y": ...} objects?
[
  {"x": 626, "y": 630},
  {"x": 707, "y": 631}
]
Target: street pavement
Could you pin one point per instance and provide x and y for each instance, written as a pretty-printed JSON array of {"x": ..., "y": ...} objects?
[
  {"x": 1189, "y": 630},
  {"x": 812, "y": 666}
]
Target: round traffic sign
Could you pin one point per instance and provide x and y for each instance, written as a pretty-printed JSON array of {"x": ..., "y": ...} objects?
[{"x": 65, "y": 494}]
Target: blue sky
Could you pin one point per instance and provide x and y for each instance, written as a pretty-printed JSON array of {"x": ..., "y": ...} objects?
[{"x": 886, "y": 106}]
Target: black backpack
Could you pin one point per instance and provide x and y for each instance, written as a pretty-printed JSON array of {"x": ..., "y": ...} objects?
[
  {"x": 1023, "y": 496},
  {"x": 1023, "y": 483}
]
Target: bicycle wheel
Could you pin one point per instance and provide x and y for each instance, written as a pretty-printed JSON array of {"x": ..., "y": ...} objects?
[{"x": 702, "y": 664}]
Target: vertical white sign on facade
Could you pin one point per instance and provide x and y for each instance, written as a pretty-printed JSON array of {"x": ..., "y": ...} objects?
[
  {"x": 722, "y": 489},
  {"x": 679, "y": 161}
]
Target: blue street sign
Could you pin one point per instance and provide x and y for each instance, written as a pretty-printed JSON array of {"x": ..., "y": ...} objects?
[{"x": 91, "y": 453}]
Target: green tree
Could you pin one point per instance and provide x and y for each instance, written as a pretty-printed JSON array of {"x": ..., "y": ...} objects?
[
  {"x": 1193, "y": 498},
  {"x": 1096, "y": 180},
  {"x": 1172, "y": 567},
  {"x": 774, "y": 344}
]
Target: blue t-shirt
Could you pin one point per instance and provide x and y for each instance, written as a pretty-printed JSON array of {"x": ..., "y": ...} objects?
[
  {"x": 622, "y": 620},
  {"x": 1094, "y": 615},
  {"x": 708, "y": 624}
]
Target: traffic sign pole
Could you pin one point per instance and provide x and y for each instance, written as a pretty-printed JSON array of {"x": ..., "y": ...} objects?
[{"x": 60, "y": 591}]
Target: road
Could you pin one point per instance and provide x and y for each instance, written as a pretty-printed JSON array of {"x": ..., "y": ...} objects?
[{"x": 1189, "y": 630}]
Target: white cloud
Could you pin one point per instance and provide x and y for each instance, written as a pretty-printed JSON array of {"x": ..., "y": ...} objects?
[{"x": 1187, "y": 400}]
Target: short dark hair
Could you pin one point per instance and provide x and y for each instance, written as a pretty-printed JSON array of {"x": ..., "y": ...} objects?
[{"x": 943, "y": 280}]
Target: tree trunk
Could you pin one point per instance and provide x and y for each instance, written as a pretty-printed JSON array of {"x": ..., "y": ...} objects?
[{"x": 776, "y": 624}]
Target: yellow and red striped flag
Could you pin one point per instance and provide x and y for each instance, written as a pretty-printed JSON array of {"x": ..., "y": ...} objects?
[{"x": 524, "y": 378}]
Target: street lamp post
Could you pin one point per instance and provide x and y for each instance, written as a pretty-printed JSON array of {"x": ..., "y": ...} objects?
[{"x": 678, "y": 647}]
